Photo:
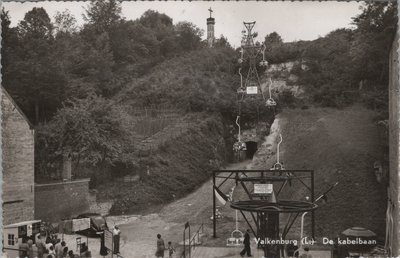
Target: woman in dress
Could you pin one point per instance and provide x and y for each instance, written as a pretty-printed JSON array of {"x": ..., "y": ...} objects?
[{"x": 160, "y": 247}]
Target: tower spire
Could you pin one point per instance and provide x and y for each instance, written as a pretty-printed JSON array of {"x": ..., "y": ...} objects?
[{"x": 210, "y": 29}]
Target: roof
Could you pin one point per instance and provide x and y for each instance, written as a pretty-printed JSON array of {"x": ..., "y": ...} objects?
[
  {"x": 23, "y": 223},
  {"x": 16, "y": 107}
]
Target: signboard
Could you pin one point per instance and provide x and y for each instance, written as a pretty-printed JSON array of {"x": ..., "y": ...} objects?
[
  {"x": 251, "y": 90},
  {"x": 29, "y": 231},
  {"x": 108, "y": 239},
  {"x": 80, "y": 224},
  {"x": 263, "y": 189}
]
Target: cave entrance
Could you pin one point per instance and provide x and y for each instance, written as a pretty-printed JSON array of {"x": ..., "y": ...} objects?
[{"x": 251, "y": 149}]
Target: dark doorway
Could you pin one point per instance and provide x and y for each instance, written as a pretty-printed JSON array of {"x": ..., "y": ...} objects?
[{"x": 251, "y": 149}]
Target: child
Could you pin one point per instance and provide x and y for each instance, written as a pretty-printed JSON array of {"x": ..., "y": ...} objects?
[{"x": 171, "y": 250}]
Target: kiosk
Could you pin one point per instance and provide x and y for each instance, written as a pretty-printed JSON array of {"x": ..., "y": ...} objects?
[{"x": 14, "y": 233}]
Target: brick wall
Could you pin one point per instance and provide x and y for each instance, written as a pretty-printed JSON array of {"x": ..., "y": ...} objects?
[
  {"x": 18, "y": 163},
  {"x": 56, "y": 201},
  {"x": 394, "y": 140}
]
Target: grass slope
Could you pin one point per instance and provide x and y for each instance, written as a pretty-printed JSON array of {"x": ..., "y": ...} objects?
[{"x": 340, "y": 145}]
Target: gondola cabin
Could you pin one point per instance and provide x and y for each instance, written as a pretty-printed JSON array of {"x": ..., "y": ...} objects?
[{"x": 13, "y": 235}]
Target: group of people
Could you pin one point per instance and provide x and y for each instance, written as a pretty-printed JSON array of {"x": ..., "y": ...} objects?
[
  {"x": 49, "y": 248},
  {"x": 45, "y": 248},
  {"x": 161, "y": 248}
]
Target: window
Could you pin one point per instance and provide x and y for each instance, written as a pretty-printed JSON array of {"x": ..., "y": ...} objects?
[
  {"x": 35, "y": 228},
  {"x": 11, "y": 239},
  {"x": 22, "y": 231}
]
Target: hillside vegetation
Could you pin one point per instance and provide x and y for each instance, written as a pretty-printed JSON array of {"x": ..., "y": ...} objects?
[
  {"x": 200, "y": 80},
  {"x": 346, "y": 65},
  {"x": 97, "y": 94}
]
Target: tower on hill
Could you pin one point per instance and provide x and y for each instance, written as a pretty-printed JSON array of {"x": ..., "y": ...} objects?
[{"x": 210, "y": 29}]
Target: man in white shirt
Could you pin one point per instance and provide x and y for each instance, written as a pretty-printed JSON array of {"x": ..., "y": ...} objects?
[{"x": 116, "y": 233}]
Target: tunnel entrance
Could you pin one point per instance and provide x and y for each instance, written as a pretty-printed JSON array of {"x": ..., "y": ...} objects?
[{"x": 251, "y": 149}]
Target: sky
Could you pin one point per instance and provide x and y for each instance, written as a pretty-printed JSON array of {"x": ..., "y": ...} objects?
[{"x": 292, "y": 20}]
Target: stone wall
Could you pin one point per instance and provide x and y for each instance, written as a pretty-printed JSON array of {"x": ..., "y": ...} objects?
[
  {"x": 56, "y": 201},
  {"x": 18, "y": 163},
  {"x": 394, "y": 140}
]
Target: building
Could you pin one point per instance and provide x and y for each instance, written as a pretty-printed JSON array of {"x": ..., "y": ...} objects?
[
  {"x": 393, "y": 210},
  {"x": 17, "y": 136},
  {"x": 210, "y": 29}
]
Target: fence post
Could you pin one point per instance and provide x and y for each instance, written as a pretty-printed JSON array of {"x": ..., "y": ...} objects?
[
  {"x": 184, "y": 244},
  {"x": 190, "y": 253}
]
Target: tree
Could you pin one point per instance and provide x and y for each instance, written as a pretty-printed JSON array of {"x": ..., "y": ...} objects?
[
  {"x": 373, "y": 35},
  {"x": 65, "y": 23},
  {"x": 273, "y": 39},
  {"x": 36, "y": 25},
  {"x": 163, "y": 29},
  {"x": 9, "y": 42},
  {"x": 5, "y": 22},
  {"x": 222, "y": 42},
  {"x": 33, "y": 77},
  {"x": 155, "y": 20},
  {"x": 90, "y": 130},
  {"x": 102, "y": 14},
  {"x": 188, "y": 35}
]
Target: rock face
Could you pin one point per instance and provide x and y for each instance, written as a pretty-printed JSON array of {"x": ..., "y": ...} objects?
[
  {"x": 17, "y": 163},
  {"x": 282, "y": 79}
]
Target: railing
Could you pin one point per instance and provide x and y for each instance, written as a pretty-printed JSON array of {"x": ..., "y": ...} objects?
[
  {"x": 13, "y": 250},
  {"x": 196, "y": 235},
  {"x": 192, "y": 242}
]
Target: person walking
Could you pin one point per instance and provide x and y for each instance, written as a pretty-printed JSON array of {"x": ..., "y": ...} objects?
[
  {"x": 65, "y": 252},
  {"x": 41, "y": 246},
  {"x": 171, "y": 249},
  {"x": 246, "y": 242},
  {"x": 30, "y": 248},
  {"x": 160, "y": 247},
  {"x": 116, "y": 236},
  {"x": 23, "y": 248},
  {"x": 58, "y": 248}
]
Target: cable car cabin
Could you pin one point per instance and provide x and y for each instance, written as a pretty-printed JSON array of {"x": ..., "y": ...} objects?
[
  {"x": 239, "y": 146},
  {"x": 235, "y": 240},
  {"x": 264, "y": 63},
  {"x": 270, "y": 103},
  {"x": 13, "y": 235},
  {"x": 241, "y": 90}
]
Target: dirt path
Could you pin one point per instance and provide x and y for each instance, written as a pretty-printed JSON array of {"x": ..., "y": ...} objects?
[{"x": 139, "y": 232}]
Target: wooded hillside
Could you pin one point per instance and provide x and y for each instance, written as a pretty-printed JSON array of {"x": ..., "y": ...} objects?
[{"x": 80, "y": 85}]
